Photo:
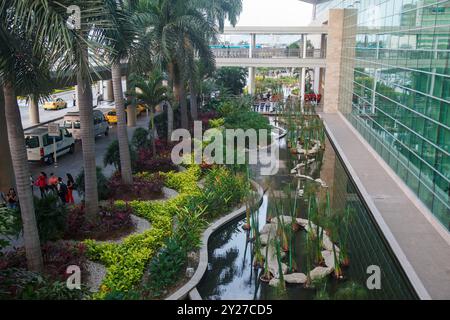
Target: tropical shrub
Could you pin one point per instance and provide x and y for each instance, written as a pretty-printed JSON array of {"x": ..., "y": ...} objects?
[
  {"x": 126, "y": 262},
  {"x": 112, "y": 155},
  {"x": 102, "y": 184},
  {"x": 140, "y": 139},
  {"x": 222, "y": 190},
  {"x": 165, "y": 268},
  {"x": 20, "y": 284},
  {"x": 57, "y": 256},
  {"x": 111, "y": 221},
  {"x": 143, "y": 187},
  {"x": 10, "y": 226},
  {"x": 51, "y": 217},
  {"x": 147, "y": 163}
]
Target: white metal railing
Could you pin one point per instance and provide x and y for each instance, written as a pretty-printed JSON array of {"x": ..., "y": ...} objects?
[{"x": 268, "y": 53}]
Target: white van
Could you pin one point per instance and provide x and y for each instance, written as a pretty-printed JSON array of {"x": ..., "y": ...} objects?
[
  {"x": 40, "y": 144},
  {"x": 72, "y": 123}
]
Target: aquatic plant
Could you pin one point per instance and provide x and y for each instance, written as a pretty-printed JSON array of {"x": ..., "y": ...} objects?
[{"x": 266, "y": 276}]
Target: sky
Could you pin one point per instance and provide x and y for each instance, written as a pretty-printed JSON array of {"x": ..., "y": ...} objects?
[
  {"x": 275, "y": 13},
  {"x": 272, "y": 13}
]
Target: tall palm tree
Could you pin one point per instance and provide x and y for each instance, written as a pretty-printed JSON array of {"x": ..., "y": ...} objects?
[
  {"x": 6, "y": 171},
  {"x": 151, "y": 92},
  {"x": 68, "y": 50},
  {"x": 18, "y": 68},
  {"x": 122, "y": 38},
  {"x": 216, "y": 12},
  {"x": 176, "y": 26}
]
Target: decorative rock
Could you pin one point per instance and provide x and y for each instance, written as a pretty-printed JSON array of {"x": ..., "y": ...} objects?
[
  {"x": 319, "y": 273},
  {"x": 266, "y": 229},
  {"x": 302, "y": 222},
  {"x": 264, "y": 239},
  {"x": 328, "y": 244},
  {"x": 322, "y": 183},
  {"x": 190, "y": 272},
  {"x": 328, "y": 256},
  {"x": 274, "y": 282},
  {"x": 284, "y": 219},
  {"x": 296, "y": 278}
]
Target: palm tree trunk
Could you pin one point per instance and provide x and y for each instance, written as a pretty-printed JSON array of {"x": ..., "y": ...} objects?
[
  {"x": 183, "y": 105},
  {"x": 173, "y": 80},
  {"x": 169, "y": 121},
  {"x": 153, "y": 130},
  {"x": 88, "y": 144},
  {"x": 22, "y": 174},
  {"x": 122, "y": 133},
  {"x": 193, "y": 100},
  {"x": 6, "y": 167},
  {"x": 34, "y": 109}
]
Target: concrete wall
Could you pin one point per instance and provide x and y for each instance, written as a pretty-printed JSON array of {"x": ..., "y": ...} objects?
[{"x": 336, "y": 73}]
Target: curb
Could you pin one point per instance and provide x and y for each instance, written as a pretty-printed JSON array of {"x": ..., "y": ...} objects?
[{"x": 191, "y": 285}]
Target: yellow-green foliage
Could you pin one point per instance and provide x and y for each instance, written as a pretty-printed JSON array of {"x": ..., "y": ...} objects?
[{"x": 126, "y": 261}]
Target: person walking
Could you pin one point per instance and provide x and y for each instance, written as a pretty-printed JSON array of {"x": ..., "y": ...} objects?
[
  {"x": 61, "y": 187},
  {"x": 52, "y": 182},
  {"x": 74, "y": 98},
  {"x": 42, "y": 183},
  {"x": 11, "y": 199},
  {"x": 70, "y": 188}
]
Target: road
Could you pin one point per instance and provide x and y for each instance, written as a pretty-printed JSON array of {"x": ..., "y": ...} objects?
[
  {"x": 72, "y": 163},
  {"x": 67, "y": 96}
]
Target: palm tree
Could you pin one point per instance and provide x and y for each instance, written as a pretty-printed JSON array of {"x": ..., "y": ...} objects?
[
  {"x": 17, "y": 70},
  {"x": 151, "y": 92},
  {"x": 122, "y": 42},
  {"x": 216, "y": 13},
  {"x": 6, "y": 172},
  {"x": 177, "y": 25},
  {"x": 68, "y": 50}
]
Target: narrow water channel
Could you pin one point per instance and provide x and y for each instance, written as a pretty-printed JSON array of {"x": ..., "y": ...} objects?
[{"x": 231, "y": 274}]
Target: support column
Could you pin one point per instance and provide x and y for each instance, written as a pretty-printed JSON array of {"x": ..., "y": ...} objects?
[
  {"x": 131, "y": 115},
  {"x": 34, "y": 110},
  {"x": 316, "y": 87},
  {"x": 340, "y": 58},
  {"x": 252, "y": 81},
  {"x": 109, "y": 93},
  {"x": 75, "y": 102},
  {"x": 6, "y": 168},
  {"x": 252, "y": 70},
  {"x": 303, "y": 84}
]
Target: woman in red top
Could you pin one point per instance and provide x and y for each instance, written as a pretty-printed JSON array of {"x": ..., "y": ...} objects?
[
  {"x": 70, "y": 188},
  {"x": 41, "y": 182}
]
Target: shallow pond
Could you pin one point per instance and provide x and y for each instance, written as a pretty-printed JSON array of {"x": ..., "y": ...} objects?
[{"x": 231, "y": 274}]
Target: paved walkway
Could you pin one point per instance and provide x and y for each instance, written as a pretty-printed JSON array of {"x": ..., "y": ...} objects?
[{"x": 422, "y": 247}]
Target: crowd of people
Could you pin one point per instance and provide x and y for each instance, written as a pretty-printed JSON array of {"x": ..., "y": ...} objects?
[
  {"x": 46, "y": 185},
  {"x": 56, "y": 185}
]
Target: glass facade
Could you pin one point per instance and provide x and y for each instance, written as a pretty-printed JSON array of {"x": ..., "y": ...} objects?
[{"x": 397, "y": 89}]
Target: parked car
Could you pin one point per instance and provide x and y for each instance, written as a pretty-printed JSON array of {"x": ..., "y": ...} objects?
[
  {"x": 55, "y": 104},
  {"x": 111, "y": 116},
  {"x": 40, "y": 145},
  {"x": 73, "y": 124}
]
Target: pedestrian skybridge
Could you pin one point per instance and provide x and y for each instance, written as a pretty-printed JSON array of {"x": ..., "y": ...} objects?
[{"x": 304, "y": 53}]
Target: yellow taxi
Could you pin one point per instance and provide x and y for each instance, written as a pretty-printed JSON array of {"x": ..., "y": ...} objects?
[
  {"x": 111, "y": 116},
  {"x": 56, "y": 104}
]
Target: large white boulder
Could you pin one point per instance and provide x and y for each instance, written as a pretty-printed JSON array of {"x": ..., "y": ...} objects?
[
  {"x": 328, "y": 257},
  {"x": 284, "y": 219},
  {"x": 295, "y": 278},
  {"x": 274, "y": 282},
  {"x": 328, "y": 244},
  {"x": 319, "y": 273},
  {"x": 302, "y": 222}
]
